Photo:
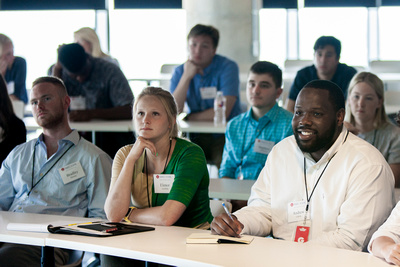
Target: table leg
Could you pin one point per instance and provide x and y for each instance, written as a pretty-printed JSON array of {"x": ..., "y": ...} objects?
[{"x": 47, "y": 257}]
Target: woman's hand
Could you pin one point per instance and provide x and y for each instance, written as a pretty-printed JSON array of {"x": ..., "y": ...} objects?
[{"x": 139, "y": 146}]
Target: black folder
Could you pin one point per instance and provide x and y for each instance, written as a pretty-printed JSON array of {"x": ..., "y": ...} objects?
[{"x": 103, "y": 229}]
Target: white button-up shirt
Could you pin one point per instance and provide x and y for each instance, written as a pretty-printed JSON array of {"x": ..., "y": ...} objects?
[{"x": 352, "y": 199}]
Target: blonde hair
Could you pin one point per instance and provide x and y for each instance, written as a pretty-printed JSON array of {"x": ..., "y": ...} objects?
[
  {"x": 90, "y": 36},
  {"x": 168, "y": 102},
  {"x": 375, "y": 83},
  {"x": 4, "y": 39}
]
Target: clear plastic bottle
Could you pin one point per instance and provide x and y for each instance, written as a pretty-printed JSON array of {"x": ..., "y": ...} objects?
[{"x": 219, "y": 109}]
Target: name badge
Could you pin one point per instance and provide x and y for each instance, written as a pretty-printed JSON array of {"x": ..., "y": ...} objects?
[
  {"x": 11, "y": 87},
  {"x": 78, "y": 103},
  {"x": 71, "y": 172},
  {"x": 301, "y": 234},
  {"x": 263, "y": 146},
  {"x": 208, "y": 92},
  {"x": 163, "y": 183},
  {"x": 296, "y": 211}
]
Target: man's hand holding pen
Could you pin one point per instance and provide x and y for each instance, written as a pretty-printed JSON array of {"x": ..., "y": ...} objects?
[{"x": 225, "y": 225}]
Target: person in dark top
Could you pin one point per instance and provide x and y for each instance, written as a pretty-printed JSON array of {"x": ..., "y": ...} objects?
[
  {"x": 12, "y": 129},
  {"x": 326, "y": 67},
  {"x": 98, "y": 90}
]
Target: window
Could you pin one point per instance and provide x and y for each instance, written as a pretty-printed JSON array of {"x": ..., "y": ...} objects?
[
  {"x": 349, "y": 25},
  {"x": 37, "y": 34},
  {"x": 273, "y": 35},
  {"x": 389, "y": 41},
  {"x": 143, "y": 40}
]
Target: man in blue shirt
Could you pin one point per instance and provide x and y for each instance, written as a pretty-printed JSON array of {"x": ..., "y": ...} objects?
[
  {"x": 326, "y": 67},
  {"x": 251, "y": 135},
  {"x": 13, "y": 70},
  {"x": 197, "y": 81},
  {"x": 58, "y": 173}
]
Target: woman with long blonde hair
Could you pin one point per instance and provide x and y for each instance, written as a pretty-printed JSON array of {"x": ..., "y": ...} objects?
[
  {"x": 161, "y": 179},
  {"x": 366, "y": 117}
]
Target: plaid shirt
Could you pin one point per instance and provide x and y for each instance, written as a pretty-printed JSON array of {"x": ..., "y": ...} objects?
[{"x": 241, "y": 133}]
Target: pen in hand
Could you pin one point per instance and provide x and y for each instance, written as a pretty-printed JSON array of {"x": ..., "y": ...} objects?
[{"x": 227, "y": 211}]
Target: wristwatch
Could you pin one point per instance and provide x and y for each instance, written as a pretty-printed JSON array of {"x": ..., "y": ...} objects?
[{"x": 128, "y": 214}]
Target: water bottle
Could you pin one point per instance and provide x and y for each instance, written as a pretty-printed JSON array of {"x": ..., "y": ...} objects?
[{"x": 219, "y": 109}]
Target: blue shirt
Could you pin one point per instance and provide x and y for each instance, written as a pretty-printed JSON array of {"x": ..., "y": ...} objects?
[
  {"x": 240, "y": 136},
  {"x": 222, "y": 73},
  {"x": 82, "y": 197},
  {"x": 17, "y": 75}
]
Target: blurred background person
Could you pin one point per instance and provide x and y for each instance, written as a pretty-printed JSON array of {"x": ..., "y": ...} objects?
[
  {"x": 366, "y": 117},
  {"x": 13, "y": 70},
  {"x": 12, "y": 129},
  {"x": 89, "y": 40},
  {"x": 98, "y": 90},
  {"x": 326, "y": 66}
]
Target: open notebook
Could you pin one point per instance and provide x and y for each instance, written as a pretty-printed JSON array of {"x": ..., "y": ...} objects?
[{"x": 99, "y": 229}]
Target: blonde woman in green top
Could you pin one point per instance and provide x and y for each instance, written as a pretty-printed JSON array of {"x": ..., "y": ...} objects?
[{"x": 163, "y": 178}]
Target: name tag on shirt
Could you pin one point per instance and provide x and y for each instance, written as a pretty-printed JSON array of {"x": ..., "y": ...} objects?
[
  {"x": 263, "y": 146},
  {"x": 71, "y": 172},
  {"x": 208, "y": 92},
  {"x": 163, "y": 183},
  {"x": 296, "y": 211},
  {"x": 11, "y": 87},
  {"x": 78, "y": 103}
]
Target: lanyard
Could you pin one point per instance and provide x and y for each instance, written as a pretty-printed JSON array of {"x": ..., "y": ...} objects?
[
  {"x": 33, "y": 167},
  {"x": 147, "y": 171},
  {"x": 305, "y": 183},
  {"x": 319, "y": 178}
]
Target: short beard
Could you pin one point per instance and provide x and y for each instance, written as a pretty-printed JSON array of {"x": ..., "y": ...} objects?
[{"x": 54, "y": 122}]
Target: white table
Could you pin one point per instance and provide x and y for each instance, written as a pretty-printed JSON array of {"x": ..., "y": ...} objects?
[
  {"x": 389, "y": 77},
  {"x": 230, "y": 188},
  {"x": 148, "y": 79},
  {"x": 167, "y": 245},
  {"x": 28, "y": 238},
  {"x": 33, "y": 238},
  {"x": 127, "y": 126},
  {"x": 392, "y": 109},
  {"x": 201, "y": 127},
  {"x": 94, "y": 125},
  {"x": 89, "y": 126}
]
